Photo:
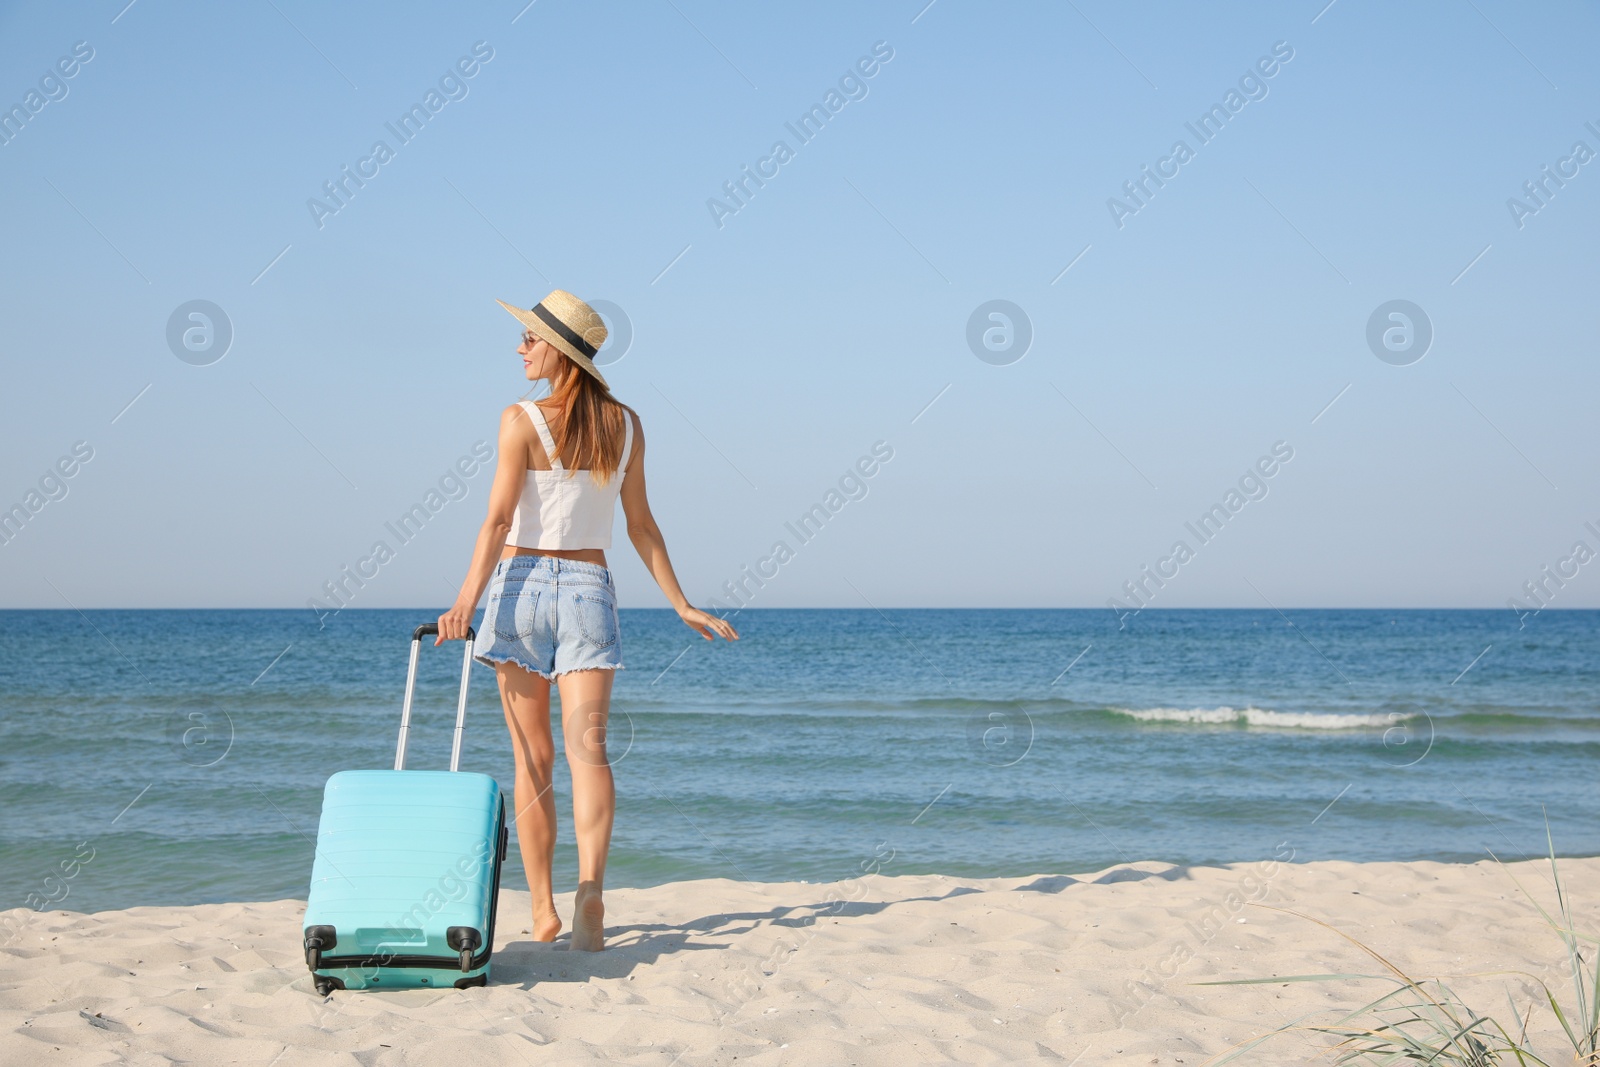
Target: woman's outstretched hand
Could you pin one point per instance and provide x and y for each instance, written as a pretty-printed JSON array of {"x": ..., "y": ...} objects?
[
  {"x": 453, "y": 625},
  {"x": 706, "y": 625}
]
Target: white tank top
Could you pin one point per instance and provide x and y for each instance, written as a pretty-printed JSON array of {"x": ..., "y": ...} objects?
[{"x": 566, "y": 509}]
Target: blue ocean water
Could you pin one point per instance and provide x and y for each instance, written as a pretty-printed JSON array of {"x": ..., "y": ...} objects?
[{"x": 174, "y": 757}]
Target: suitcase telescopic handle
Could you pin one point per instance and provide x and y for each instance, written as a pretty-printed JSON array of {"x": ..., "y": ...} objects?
[{"x": 430, "y": 629}]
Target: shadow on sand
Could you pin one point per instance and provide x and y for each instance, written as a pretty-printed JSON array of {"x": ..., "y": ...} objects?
[{"x": 628, "y": 946}]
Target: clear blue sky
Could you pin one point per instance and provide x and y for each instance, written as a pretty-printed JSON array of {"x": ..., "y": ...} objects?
[{"x": 771, "y": 352}]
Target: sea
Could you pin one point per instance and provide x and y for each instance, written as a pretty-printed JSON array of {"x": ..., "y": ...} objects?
[{"x": 179, "y": 757}]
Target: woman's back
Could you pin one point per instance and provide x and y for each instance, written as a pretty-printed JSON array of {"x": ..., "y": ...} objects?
[{"x": 564, "y": 509}]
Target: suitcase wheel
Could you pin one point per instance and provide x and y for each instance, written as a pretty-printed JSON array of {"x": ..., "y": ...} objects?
[
  {"x": 317, "y": 939},
  {"x": 466, "y": 941},
  {"x": 477, "y": 979},
  {"x": 327, "y": 985}
]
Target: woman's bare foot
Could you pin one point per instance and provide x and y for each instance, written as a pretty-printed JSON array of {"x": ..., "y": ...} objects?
[
  {"x": 588, "y": 919},
  {"x": 546, "y": 924}
]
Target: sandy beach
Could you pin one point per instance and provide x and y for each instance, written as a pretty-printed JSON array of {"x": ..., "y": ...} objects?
[{"x": 1089, "y": 968}]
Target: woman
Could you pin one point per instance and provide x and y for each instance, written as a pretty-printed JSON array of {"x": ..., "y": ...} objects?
[{"x": 552, "y": 611}]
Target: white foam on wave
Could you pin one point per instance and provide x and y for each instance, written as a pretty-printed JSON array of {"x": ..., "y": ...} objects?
[{"x": 1301, "y": 720}]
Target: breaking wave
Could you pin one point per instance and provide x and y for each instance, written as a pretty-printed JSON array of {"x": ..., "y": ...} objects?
[{"x": 1296, "y": 720}]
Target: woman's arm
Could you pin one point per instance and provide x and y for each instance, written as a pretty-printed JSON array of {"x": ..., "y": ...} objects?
[
  {"x": 652, "y": 548},
  {"x": 510, "y": 475}
]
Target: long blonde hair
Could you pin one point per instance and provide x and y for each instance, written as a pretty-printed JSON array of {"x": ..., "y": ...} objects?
[{"x": 592, "y": 425}]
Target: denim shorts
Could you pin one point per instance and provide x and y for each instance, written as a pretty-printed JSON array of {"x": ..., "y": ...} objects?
[{"x": 550, "y": 616}]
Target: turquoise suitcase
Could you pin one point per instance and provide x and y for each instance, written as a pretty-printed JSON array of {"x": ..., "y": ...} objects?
[{"x": 407, "y": 868}]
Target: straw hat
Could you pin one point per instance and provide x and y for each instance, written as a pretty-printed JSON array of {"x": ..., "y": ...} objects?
[{"x": 567, "y": 323}]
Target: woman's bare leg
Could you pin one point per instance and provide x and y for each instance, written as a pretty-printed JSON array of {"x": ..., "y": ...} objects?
[
  {"x": 585, "y": 711},
  {"x": 526, "y": 697}
]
